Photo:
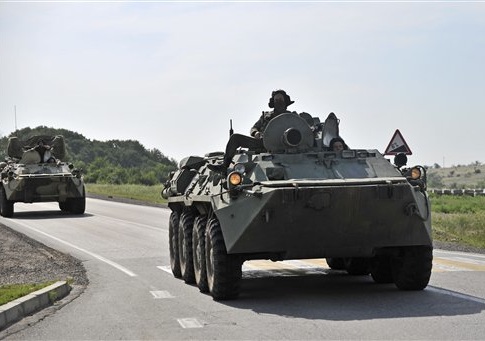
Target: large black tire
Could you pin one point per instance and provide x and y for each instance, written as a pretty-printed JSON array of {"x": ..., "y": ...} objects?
[
  {"x": 411, "y": 269},
  {"x": 77, "y": 205},
  {"x": 173, "y": 241},
  {"x": 64, "y": 206},
  {"x": 357, "y": 266},
  {"x": 198, "y": 253},
  {"x": 186, "y": 225},
  {"x": 6, "y": 206},
  {"x": 223, "y": 270},
  {"x": 381, "y": 270},
  {"x": 336, "y": 263}
]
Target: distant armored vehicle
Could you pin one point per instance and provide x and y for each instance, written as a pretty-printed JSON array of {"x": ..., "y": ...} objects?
[
  {"x": 295, "y": 199},
  {"x": 34, "y": 172}
]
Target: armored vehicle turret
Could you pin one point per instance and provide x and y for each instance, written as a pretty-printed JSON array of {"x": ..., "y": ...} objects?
[
  {"x": 34, "y": 172},
  {"x": 295, "y": 199}
]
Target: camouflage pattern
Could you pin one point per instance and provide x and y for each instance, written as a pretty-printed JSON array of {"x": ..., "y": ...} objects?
[
  {"x": 25, "y": 178},
  {"x": 299, "y": 200}
]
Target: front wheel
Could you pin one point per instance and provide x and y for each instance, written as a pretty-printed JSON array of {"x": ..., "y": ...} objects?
[
  {"x": 411, "y": 269},
  {"x": 6, "y": 206},
  {"x": 223, "y": 270}
]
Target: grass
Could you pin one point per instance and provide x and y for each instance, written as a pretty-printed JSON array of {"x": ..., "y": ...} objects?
[
  {"x": 13, "y": 291},
  {"x": 151, "y": 194},
  {"x": 459, "y": 219}
]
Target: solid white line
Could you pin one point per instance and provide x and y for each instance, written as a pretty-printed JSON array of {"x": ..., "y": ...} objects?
[
  {"x": 456, "y": 294},
  {"x": 98, "y": 257},
  {"x": 466, "y": 254}
]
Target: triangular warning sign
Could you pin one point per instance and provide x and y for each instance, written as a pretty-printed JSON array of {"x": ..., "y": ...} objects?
[{"x": 397, "y": 145}]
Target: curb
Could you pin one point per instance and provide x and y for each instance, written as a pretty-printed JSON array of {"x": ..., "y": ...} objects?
[{"x": 14, "y": 311}]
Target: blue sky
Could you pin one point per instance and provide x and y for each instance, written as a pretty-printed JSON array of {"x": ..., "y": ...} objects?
[{"x": 171, "y": 75}]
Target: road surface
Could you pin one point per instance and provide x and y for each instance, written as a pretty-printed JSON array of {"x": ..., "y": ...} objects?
[{"x": 133, "y": 295}]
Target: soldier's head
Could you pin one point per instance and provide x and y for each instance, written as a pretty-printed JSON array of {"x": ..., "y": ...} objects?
[
  {"x": 337, "y": 144},
  {"x": 279, "y": 100}
]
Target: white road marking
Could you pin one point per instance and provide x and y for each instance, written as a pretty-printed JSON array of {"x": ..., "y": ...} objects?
[
  {"x": 92, "y": 254},
  {"x": 456, "y": 294},
  {"x": 189, "y": 323},
  {"x": 166, "y": 268},
  {"x": 161, "y": 294}
]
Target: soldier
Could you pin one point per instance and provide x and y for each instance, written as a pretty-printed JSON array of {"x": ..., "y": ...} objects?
[
  {"x": 280, "y": 101},
  {"x": 337, "y": 144}
]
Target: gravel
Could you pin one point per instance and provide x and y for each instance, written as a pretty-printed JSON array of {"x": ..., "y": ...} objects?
[{"x": 24, "y": 260}]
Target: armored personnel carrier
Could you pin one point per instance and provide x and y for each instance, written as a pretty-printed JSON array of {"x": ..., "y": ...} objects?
[
  {"x": 295, "y": 199},
  {"x": 34, "y": 172}
]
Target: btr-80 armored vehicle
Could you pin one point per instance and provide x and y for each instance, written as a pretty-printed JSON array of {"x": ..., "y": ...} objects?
[
  {"x": 295, "y": 199},
  {"x": 34, "y": 172}
]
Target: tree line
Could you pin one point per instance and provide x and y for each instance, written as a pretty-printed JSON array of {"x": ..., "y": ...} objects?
[{"x": 106, "y": 162}]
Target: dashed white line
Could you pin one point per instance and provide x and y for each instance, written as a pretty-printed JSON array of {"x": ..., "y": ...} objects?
[
  {"x": 157, "y": 294},
  {"x": 189, "y": 323},
  {"x": 92, "y": 254},
  {"x": 166, "y": 268}
]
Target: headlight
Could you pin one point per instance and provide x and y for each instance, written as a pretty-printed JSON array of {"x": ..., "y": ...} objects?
[{"x": 234, "y": 179}]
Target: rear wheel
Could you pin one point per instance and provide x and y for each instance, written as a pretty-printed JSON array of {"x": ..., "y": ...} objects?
[
  {"x": 223, "y": 270},
  {"x": 336, "y": 263},
  {"x": 198, "y": 253},
  {"x": 173, "y": 241},
  {"x": 6, "y": 206},
  {"x": 185, "y": 246},
  {"x": 411, "y": 269},
  {"x": 357, "y": 266}
]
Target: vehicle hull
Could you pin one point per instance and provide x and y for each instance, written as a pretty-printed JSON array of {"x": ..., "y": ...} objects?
[{"x": 325, "y": 221}]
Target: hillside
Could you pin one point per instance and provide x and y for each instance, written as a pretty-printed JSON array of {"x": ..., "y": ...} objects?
[
  {"x": 461, "y": 176},
  {"x": 113, "y": 161}
]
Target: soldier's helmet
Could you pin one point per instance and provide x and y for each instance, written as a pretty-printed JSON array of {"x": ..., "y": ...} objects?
[{"x": 288, "y": 100}]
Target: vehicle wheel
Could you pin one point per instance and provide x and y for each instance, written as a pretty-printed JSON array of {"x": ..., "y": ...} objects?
[
  {"x": 77, "y": 205},
  {"x": 173, "y": 241},
  {"x": 381, "y": 270},
  {"x": 411, "y": 269},
  {"x": 357, "y": 266},
  {"x": 64, "y": 206},
  {"x": 336, "y": 263},
  {"x": 198, "y": 253},
  {"x": 185, "y": 246},
  {"x": 223, "y": 270},
  {"x": 6, "y": 206}
]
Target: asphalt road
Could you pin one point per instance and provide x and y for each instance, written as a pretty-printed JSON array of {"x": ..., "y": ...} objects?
[{"x": 132, "y": 294}]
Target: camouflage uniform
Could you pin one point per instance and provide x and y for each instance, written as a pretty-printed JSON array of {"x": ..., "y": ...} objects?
[{"x": 263, "y": 121}]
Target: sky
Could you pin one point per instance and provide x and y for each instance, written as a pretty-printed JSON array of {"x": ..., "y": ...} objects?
[{"x": 173, "y": 74}]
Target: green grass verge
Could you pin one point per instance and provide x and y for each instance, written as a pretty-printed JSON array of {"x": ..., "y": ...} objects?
[
  {"x": 459, "y": 219},
  {"x": 151, "y": 194},
  {"x": 13, "y": 291}
]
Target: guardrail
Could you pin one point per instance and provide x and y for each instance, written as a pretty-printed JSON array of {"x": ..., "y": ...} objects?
[{"x": 458, "y": 192}]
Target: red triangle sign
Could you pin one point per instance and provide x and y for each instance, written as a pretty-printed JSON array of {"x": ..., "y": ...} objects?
[{"x": 397, "y": 145}]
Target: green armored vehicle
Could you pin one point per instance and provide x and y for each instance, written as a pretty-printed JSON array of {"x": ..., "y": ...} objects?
[
  {"x": 34, "y": 172},
  {"x": 295, "y": 199}
]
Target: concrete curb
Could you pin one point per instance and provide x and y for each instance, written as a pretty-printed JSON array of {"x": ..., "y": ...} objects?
[{"x": 16, "y": 310}]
